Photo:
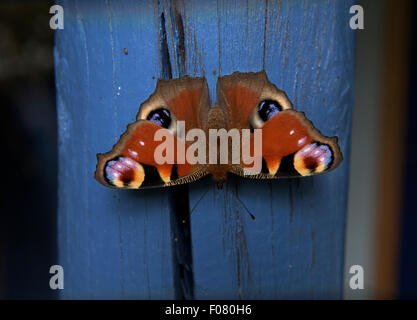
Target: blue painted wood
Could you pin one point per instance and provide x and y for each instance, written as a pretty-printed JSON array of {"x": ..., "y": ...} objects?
[
  {"x": 118, "y": 244},
  {"x": 295, "y": 248},
  {"x": 112, "y": 244}
]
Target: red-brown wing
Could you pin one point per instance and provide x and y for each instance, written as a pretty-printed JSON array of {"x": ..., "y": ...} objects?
[
  {"x": 186, "y": 98},
  {"x": 291, "y": 145},
  {"x": 132, "y": 162},
  {"x": 240, "y": 93}
]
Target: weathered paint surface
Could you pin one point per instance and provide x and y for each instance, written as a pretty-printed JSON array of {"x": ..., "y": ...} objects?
[
  {"x": 112, "y": 244},
  {"x": 129, "y": 244}
]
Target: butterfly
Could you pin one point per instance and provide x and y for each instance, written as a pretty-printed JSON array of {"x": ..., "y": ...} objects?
[{"x": 247, "y": 102}]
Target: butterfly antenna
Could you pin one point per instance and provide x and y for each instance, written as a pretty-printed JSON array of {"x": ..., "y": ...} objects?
[
  {"x": 202, "y": 196},
  {"x": 244, "y": 206}
]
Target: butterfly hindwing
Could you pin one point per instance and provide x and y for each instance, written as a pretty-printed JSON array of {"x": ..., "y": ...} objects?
[{"x": 292, "y": 147}]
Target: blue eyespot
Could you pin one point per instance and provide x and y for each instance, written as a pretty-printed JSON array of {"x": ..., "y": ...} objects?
[
  {"x": 268, "y": 109},
  {"x": 161, "y": 117}
]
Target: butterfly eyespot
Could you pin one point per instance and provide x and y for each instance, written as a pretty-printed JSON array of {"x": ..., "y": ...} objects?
[
  {"x": 161, "y": 117},
  {"x": 313, "y": 158},
  {"x": 268, "y": 108},
  {"x": 124, "y": 172}
]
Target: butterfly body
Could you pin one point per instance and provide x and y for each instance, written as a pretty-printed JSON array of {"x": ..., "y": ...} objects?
[
  {"x": 249, "y": 107},
  {"x": 216, "y": 121}
]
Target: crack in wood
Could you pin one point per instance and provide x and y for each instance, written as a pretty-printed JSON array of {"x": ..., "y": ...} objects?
[{"x": 179, "y": 197}]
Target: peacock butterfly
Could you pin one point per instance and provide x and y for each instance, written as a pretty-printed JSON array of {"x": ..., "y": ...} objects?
[{"x": 247, "y": 103}]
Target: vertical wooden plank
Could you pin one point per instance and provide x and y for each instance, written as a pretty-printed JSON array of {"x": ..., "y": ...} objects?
[
  {"x": 112, "y": 244},
  {"x": 107, "y": 238},
  {"x": 295, "y": 248}
]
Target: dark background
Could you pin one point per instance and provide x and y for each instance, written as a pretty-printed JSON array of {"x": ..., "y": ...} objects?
[
  {"x": 29, "y": 135},
  {"x": 408, "y": 251}
]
